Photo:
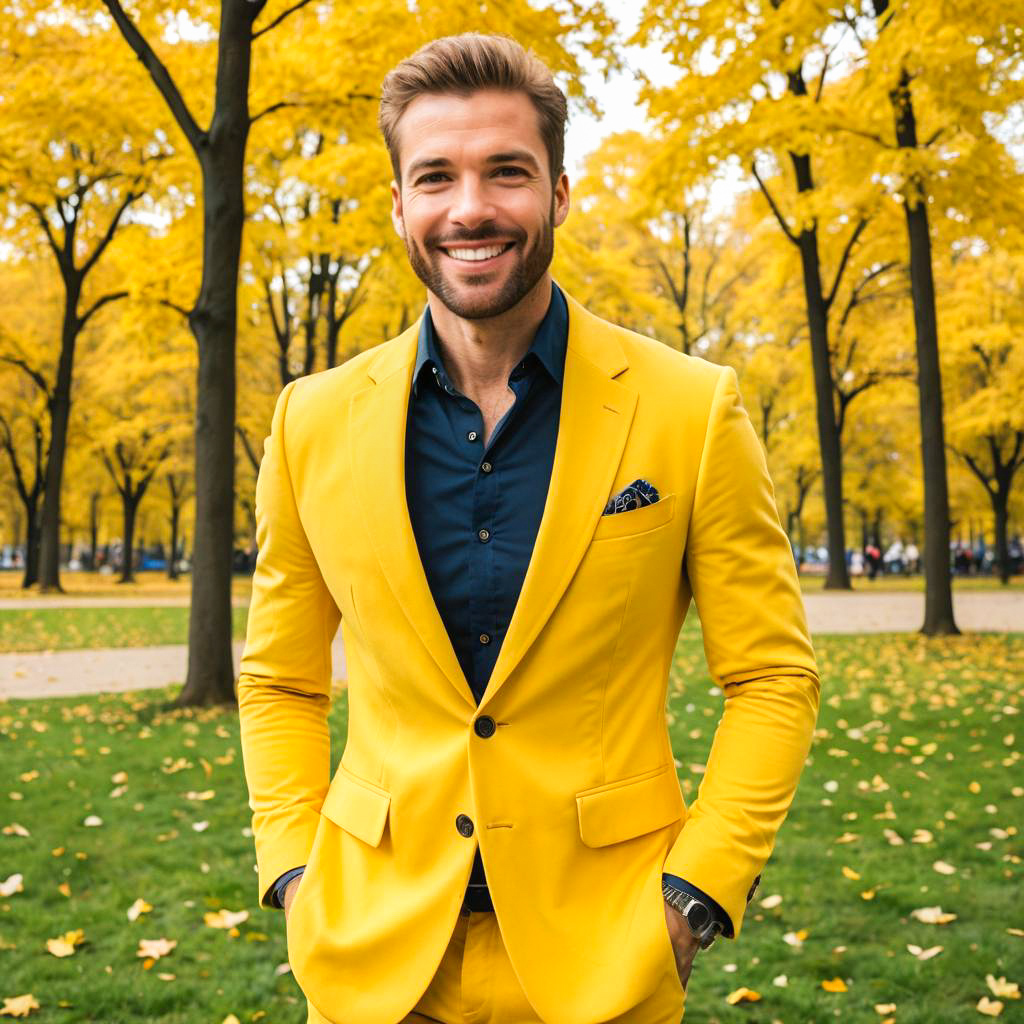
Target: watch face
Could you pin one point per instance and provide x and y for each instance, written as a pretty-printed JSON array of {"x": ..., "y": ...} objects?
[{"x": 698, "y": 915}]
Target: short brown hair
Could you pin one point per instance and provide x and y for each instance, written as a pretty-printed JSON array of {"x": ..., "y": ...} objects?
[{"x": 468, "y": 63}]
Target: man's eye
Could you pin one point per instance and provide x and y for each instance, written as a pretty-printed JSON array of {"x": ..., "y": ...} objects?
[
  {"x": 518, "y": 171},
  {"x": 430, "y": 179}
]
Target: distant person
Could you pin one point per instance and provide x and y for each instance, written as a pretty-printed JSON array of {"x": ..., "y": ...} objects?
[{"x": 508, "y": 507}]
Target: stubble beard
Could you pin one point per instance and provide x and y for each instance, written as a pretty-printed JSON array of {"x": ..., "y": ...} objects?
[{"x": 529, "y": 268}]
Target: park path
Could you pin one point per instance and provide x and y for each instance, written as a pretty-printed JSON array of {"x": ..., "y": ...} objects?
[{"x": 78, "y": 672}]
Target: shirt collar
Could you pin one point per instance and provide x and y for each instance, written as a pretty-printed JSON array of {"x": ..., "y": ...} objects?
[{"x": 549, "y": 343}]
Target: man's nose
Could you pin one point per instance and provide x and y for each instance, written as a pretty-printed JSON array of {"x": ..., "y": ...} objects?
[{"x": 471, "y": 205}]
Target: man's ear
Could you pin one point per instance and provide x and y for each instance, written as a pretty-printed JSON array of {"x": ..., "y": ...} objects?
[
  {"x": 396, "y": 210},
  {"x": 561, "y": 199}
]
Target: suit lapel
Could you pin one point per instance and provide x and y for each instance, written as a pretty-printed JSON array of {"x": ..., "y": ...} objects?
[
  {"x": 376, "y": 437},
  {"x": 594, "y": 421}
]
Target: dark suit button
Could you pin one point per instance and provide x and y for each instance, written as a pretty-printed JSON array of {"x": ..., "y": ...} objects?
[
  {"x": 464, "y": 825},
  {"x": 485, "y": 726}
]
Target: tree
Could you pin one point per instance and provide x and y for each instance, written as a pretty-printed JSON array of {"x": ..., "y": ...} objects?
[
  {"x": 985, "y": 369},
  {"x": 71, "y": 191},
  {"x": 752, "y": 86}
]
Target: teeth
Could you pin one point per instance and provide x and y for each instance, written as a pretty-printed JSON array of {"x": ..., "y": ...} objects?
[{"x": 477, "y": 254}]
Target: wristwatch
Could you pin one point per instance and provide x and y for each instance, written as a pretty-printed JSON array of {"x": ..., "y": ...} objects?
[{"x": 703, "y": 923}]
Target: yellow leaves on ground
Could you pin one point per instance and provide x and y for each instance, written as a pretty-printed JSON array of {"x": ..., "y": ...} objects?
[
  {"x": 1002, "y": 988},
  {"x": 153, "y": 949},
  {"x": 885, "y": 1009},
  {"x": 14, "y": 829},
  {"x": 19, "y": 1006},
  {"x": 943, "y": 868},
  {"x": 743, "y": 995},
  {"x": 835, "y": 985},
  {"x": 849, "y": 873},
  {"x": 66, "y": 944},
  {"x": 206, "y": 794},
  {"x": 924, "y": 954},
  {"x": 12, "y": 885},
  {"x": 989, "y": 1007},
  {"x": 225, "y": 918},
  {"x": 140, "y": 906},
  {"x": 932, "y": 915}
]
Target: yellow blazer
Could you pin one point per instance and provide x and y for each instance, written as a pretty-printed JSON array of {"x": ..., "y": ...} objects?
[{"x": 574, "y": 799}]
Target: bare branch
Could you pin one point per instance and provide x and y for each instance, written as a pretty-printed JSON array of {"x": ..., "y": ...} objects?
[
  {"x": 37, "y": 377},
  {"x": 158, "y": 72},
  {"x": 129, "y": 198},
  {"x": 284, "y": 14},
  {"x": 771, "y": 202},
  {"x": 98, "y": 304},
  {"x": 844, "y": 259}
]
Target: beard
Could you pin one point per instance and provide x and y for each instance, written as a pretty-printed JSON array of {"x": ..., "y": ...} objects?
[{"x": 530, "y": 266}]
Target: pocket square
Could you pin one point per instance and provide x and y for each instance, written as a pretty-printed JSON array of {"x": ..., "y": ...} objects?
[{"x": 637, "y": 494}]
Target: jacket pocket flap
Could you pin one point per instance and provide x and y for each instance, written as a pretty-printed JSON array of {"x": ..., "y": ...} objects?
[
  {"x": 630, "y": 807},
  {"x": 358, "y": 806}
]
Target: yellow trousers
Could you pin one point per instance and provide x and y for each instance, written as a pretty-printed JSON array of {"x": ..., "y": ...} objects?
[{"x": 476, "y": 984}]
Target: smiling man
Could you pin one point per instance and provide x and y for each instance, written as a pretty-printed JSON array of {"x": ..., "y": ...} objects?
[{"x": 509, "y": 508}]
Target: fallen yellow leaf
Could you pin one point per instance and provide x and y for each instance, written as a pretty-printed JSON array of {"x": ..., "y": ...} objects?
[
  {"x": 932, "y": 915},
  {"x": 743, "y": 995},
  {"x": 19, "y": 1006},
  {"x": 850, "y": 874},
  {"x": 835, "y": 985},
  {"x": 1002, "y": 988},
  {"x": 989, "y": 1007},
  {"x": 65, "y": 944}
]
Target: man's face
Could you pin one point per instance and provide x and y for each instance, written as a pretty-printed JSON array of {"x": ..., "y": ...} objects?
[{"x": 475, "y": 205}]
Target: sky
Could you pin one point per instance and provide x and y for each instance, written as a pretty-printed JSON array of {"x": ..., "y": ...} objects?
[{"x": 621, "y": 110}]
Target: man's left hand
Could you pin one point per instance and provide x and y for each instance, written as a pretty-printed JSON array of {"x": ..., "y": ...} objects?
[{"x": 684, "y": 942}]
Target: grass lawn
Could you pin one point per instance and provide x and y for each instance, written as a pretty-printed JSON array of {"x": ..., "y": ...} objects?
[
  {"x": 913, "y": 798},
  {"x": 55, "y": 629},
  {"x": 815, "y": 583}
]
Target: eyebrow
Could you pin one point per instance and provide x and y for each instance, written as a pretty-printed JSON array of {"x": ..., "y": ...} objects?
[{"x": 513, "y": 156}]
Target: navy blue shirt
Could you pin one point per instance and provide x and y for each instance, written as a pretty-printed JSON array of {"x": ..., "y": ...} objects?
[{"x": 476, "y": 509}]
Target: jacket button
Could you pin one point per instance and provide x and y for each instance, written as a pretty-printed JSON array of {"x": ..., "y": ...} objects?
[
  {"x": 464, "y": 825},
  {"x": 485, "y": 726}
]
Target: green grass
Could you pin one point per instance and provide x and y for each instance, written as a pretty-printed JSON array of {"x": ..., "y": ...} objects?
[
  {"x": 55, "y": 629},
  {"x": 815, "y": 582},
  {"x": 880, "y": 695}
]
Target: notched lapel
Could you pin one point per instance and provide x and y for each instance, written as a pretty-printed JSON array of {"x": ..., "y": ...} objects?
[
  {"x": 376, "y": 439},
  {"x": 594, "y": 422}
]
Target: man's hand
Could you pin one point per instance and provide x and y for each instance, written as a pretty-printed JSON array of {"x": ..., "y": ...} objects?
[
  {"x": 684, "y": 942},
  {"x": 292, "y": 887}
]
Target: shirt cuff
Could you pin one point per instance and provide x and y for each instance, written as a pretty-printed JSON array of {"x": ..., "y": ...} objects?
[
  {"x": 277, "y": 892},
  {"x": 716, "y": 909}
]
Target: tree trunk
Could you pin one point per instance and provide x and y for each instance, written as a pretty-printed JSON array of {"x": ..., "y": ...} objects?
[
  {"x": 60, "y": 415},
  {"x": 94, "y": 528},
  {"x": 172, "y": 562},
  {"x": 938, "y": 606},
  {"x": 211, "y": 673},
  {"x": 821, "y": 360},
  {"x": 31, "y": 575},
  {"x": 130, "y": 505},
  {"x": 1000, "y": 509}
]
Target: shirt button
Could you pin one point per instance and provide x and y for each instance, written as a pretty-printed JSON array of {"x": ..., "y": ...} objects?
[
  {"x": 485, "y": 726},
  {"x": 486, "y": 467},
  {"x": 471, "y": 436},
  {"x": 464, "y": 825},
  {"x": 484, "y": 638},
  {"x": 484, "y": 535}
]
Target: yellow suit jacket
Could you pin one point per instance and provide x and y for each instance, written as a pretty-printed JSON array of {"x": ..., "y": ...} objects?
[{"x": 574, "y": 799}]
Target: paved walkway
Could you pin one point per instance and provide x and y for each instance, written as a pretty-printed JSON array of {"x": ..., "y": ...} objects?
[{"x": 69, "y": 673}]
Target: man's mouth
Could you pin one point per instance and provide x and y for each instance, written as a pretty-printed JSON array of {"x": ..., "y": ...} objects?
[{"x": 476, "y": 253}]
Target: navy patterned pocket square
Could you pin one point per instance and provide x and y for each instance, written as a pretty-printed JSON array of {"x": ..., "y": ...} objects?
[{"x": 639, "y": 493}]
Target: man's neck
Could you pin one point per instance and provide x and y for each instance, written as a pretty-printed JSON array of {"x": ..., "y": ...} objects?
[{"x": 479, "y": 355}]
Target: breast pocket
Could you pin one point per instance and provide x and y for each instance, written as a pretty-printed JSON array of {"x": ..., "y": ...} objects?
[{"x": 636, "y": 521}]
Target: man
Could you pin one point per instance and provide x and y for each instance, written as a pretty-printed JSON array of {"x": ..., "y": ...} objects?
[{"x": 508, "y": 508}]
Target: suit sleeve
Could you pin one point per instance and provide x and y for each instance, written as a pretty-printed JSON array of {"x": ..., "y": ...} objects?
[
  {"x": 285, "y": 674},
  {"x": 744, "y": 583}
]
